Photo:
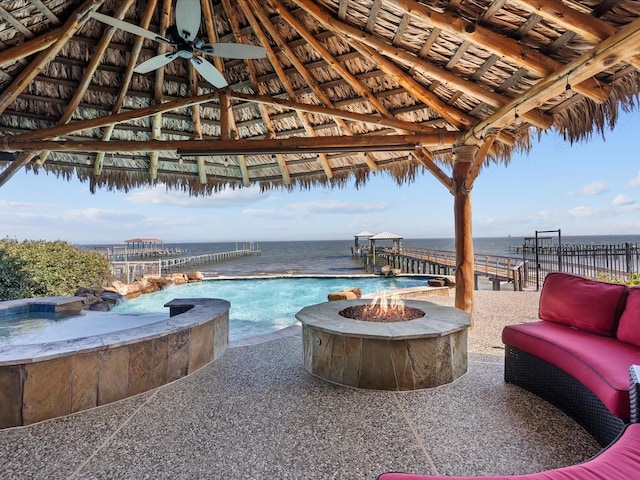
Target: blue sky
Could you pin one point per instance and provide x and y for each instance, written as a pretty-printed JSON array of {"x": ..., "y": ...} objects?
[{"x": 589, "y": 188}]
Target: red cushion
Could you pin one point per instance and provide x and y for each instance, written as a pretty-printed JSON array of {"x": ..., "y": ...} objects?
[
  {"x": 620, "y": 461},
  {"x": 600, "y": 363},
  {"x": 582, "y": 303},
  {"x": 629, "y": 326}
]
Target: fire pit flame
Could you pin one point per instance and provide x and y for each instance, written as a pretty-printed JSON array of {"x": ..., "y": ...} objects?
[
  {"x": 385, "y": 305},
  {"x": 382, "y": 309}
]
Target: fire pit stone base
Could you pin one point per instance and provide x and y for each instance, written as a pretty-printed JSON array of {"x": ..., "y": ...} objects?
[{"x": 409, "y": 355}]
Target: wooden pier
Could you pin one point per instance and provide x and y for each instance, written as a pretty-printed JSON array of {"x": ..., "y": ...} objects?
[
  {"x": 438, "y": 262},
  {"x": 615, "y": 262},
  {"x": 127, "y": 271}
]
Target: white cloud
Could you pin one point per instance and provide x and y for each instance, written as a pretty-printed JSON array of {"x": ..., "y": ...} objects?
[
  {"x": 334, "y": 206},
  {"x": 595, "y": 188},
  {"x": 584, "y": 212},
  {"x": 622, "y": 200},
  {"x": 635, "y": 182},
  {"x": 159, "y": 195}
]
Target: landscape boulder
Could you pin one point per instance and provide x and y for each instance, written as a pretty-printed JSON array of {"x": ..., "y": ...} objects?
[{"x": 346, "y": 294}]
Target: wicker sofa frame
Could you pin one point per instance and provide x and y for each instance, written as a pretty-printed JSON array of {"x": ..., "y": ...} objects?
[{"x": 563, "y": 391}]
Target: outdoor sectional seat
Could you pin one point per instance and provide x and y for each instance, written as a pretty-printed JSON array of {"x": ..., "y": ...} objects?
[
  {"x": 577, "y": 356},
  {"x": 620, "y": 461},
  {"x": 582, "y": 356}
]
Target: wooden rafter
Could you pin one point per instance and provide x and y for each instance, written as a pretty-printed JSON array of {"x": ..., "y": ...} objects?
[
  {"x": 71, "y": 26},
  {"x": 128, "y": 75},
  {"x": 622, "y": 45},
  {"x": 264, "y": 114},
  {"x": 379, "y": 121},
  {"x": 324, "y": 161},
  {"x": 126, "y": 116},
  {"x": 501, "y": 45},
  {"x": 29, "y": 47},
  {"x": 249, "y": 147},
  {"x": 378, "y": 47}
]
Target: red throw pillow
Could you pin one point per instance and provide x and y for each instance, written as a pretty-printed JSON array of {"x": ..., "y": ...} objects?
[
  {"x": 629, "y": 328},
  {"x": 588, "y": 305}
]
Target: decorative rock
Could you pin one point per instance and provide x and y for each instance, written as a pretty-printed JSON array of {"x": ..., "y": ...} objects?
[
  {"x": 343, "y": 295},
  {"x": 195, "y": 277},
  {"x": 437, "y": 282},
  {"x": 179, "y": 278}
]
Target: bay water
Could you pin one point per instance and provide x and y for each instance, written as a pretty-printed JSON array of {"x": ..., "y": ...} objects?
[{"x": 333, "y": 257}]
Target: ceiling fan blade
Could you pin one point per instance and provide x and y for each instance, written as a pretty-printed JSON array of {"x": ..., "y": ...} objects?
[
  {"x": 155, "y": 62},
  {"x": 188, "y": 18},
  {"x": 210, "y": 73},
  {"x": 129, "y": 27},
  {"x": 233, "y": 50}
]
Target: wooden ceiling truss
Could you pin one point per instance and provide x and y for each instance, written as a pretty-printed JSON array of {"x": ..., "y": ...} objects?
[{"x": 348, "y": 88}]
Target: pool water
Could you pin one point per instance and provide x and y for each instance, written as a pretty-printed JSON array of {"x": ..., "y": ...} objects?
[
  {"x": 263, "y": 305},
  {"x": 44, "y": 327}
]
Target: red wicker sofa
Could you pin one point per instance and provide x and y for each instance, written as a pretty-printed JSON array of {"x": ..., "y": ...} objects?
[{"x": 580, "y": 356}]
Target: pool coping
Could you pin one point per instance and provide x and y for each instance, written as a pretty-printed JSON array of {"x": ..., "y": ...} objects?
[{"x": 200, "y": 311}]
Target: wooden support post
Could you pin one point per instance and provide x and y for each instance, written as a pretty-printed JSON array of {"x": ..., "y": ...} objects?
[{"x": 463, "y": 158}]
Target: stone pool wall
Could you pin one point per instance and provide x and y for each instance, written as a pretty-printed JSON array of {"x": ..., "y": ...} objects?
[{"x": 38, "y": 382}]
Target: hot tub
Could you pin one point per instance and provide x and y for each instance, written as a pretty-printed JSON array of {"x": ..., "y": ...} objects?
[{"x": 51, "y": 379}]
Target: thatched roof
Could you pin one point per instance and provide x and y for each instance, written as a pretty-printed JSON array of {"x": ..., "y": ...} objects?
[{"x": 347, "y": 87}]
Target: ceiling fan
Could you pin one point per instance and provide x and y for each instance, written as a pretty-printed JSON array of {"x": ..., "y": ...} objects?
[{"x": 183, "y": 37}]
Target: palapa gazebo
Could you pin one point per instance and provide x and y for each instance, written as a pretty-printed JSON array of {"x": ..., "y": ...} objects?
[{"x": 343, "y": 89}]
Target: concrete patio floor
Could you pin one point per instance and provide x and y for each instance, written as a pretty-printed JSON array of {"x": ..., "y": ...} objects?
[{"x": 256, "y": 413}]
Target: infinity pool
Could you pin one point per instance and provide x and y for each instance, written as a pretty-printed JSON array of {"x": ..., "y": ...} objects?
[{"x": 263, "y": 305}]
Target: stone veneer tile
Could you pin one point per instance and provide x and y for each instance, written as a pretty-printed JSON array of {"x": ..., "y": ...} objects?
[
  {"x": 159, "y": 361},
  {"x": 84, "y": 381},
  {"x": 459, "y": 362},
  {"x": 376, "y": 369},
  {"x": 402, "y": 365},
  {"x": 113, "y": 378},
  {"x": 443, "y": 360},
  {"x": 423, "y": 355},
  {"x": 200, "y": 346},
  {"x": 140, "y": 357},
  {"x": 322, "y": 343},
  {"x": 352, "y": 360},
  {"x": 11, "y": 395},
  {"x": 220, "y": 335},
  {"x": 178, "y": 355},
  {"x": 47, "y": 390}
]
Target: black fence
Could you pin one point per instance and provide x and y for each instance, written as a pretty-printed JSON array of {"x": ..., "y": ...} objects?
[{"x": 616, "y": 261}]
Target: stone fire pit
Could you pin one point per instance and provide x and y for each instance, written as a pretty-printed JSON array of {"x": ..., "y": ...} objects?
[{"x": 407, "y": 355}]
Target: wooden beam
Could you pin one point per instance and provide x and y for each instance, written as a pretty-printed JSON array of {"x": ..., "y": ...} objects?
[
  {"x": 587, "y": 26},
  {"x": 124, "y": 86},
  {"x": 378, "y": 48},
  {"x": 15, "y": 23},
  {"x": 71, "y": 26},
  {"x": 15, "y": 166},
  {"x": 291, "y": 145},
  {"x": 624, "y": 44},
  {"x": 250, "y": 7},
  {"x": 474, "y": 171},
  {"x": 334, "y": 112},
  {"x": 29, "y": 47},
  {"x": 436, "y": 171},
  {"x": 329, "y": 58},
  {"x": 234, "y": 21},
  {"x": 501, "y": 45},
  {"x": 67, "y": 129}
]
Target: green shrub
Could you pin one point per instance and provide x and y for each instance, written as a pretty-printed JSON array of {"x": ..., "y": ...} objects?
[
  {"x": 632, "y": 281},
  {"x": 41, "y": 269}
]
